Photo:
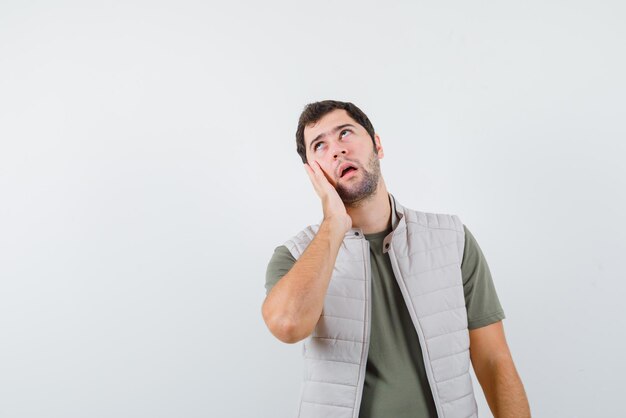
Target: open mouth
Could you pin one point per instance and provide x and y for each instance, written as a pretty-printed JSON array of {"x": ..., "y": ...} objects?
[{"x": 347, "y": 171}]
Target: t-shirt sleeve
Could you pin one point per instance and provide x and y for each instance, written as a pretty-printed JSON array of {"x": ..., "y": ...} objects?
[
  {"x": 481, "y": 299},
  {"x": 280, "y": 263}
]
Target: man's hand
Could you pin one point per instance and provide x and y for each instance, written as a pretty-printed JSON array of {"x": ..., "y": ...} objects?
[
  {"x": 293, "y": 307},
  {"x": 332, "y": 205}
]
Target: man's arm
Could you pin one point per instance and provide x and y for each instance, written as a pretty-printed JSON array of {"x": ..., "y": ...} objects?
[
  {"x": 496, "y": 373},
  {"x": 294, "y": 305}
]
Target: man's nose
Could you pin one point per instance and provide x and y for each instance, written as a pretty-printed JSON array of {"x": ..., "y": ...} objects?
[
  {"x": 339, "y": 150},
  {"x": 337, "y": 154}
]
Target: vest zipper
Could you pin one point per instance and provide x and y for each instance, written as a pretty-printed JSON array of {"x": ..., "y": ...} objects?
[
  {"x": 367, "y": 325},
  {"x": 418, "y": 328}
]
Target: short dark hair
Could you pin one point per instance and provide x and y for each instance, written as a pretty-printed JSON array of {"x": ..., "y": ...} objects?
[{"x": 313, "y": 112}]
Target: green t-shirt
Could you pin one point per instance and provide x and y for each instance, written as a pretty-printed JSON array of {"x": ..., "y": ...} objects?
[{"x": 395, "y": 380}]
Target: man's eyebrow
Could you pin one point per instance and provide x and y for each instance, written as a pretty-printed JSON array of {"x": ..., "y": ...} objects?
[{"x": 334, "y": 130}]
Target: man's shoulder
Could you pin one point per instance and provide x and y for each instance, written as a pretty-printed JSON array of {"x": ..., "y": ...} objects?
[
  {"x": 428, "y": 220},
  {"x": 433, "y": 220},
  {"x": 301, "y": 240}
]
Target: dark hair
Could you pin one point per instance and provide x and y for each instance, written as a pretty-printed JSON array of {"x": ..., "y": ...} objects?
[{"x": 313, "y": 112}]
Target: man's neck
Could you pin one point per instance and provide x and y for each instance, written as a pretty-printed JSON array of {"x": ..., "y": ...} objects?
[{"x": 373, "y": 214}]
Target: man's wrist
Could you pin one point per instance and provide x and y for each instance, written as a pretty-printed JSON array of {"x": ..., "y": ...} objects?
[{"x": 334, "y": 227}]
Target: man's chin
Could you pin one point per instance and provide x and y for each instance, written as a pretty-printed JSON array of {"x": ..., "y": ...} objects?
[
  {"x": 350, "y": 195},
  {"x": 353, "y": 191}
]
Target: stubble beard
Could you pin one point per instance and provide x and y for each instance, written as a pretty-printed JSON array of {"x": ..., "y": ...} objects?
[{"x": 355, "y": 195}]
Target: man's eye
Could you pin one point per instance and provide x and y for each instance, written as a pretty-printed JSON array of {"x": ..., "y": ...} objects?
[
  {"x": 344, "y": 131},
  {"x": 315, "y": 147}
]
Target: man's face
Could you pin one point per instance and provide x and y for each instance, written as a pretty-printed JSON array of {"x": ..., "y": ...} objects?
[{"x": 344, "y": 150}]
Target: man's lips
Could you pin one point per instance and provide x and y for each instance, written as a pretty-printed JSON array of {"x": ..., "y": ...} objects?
[
  {"x": 349, "y": 174},
  {"x": 343, "y": 167}
]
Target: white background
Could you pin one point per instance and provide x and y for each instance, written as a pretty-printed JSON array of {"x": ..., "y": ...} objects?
[{"x": 148, "y": 170}]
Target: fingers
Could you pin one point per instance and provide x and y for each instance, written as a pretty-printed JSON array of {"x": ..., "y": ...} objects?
[
  {"x": 322, "y": 172},
  {"x": 317, "y": 171},
  {"x": 332, "y": 205},
  {"x": 312, "y": 176},
  {"x": 313, "y": 170},
  {"x": 318, "y": 178}
]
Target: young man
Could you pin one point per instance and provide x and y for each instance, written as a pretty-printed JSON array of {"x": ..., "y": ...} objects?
[{"x": 392, "y": 303}]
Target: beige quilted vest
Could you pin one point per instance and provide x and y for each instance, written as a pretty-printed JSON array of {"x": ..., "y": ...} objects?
[{"x": 426, "y": 250}]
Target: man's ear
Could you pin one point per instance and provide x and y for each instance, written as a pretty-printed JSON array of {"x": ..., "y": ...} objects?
[{"x": 379, "y": 148}]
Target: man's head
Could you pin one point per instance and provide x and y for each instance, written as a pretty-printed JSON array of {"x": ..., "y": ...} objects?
[
  {"x": 313, "y": 112},
  {"x": 340, "y": 137}
]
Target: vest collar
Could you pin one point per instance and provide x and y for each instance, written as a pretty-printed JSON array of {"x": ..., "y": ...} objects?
[{"x": 397, "y": 224}]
